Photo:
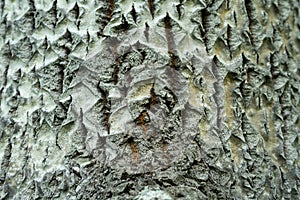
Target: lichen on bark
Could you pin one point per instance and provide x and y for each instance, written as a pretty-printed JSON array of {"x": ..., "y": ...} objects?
[{"x": 142, "y": 99}]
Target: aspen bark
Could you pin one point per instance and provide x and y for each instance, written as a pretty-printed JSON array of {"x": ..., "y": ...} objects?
[{"x": 119, "y": 99}]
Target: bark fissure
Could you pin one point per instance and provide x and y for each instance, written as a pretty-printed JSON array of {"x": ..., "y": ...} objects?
[{"x": 149, "y": 99}]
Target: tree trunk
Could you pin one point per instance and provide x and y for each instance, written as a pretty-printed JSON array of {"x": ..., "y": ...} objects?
[{"x": 149, "y": 99}]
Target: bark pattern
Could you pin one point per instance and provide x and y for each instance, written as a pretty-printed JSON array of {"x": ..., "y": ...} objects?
[{"x": 142, "y": 99}]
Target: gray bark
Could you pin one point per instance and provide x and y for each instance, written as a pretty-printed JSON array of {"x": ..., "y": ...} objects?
[{"x": 149, "y": 99}]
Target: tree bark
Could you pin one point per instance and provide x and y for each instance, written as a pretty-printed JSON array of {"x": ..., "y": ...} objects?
[{"x": 149, "y": 99}]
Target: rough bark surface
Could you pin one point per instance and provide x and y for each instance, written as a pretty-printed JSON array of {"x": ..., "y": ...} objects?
[{"x": 187, "y": 99}]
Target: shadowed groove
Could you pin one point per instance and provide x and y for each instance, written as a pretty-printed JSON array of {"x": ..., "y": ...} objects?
[
  {"x": 106, "y": 108},
  {"x": 133, "y": 13},
  {"x": 151, "y": 7},
  {"x": 105, "y": 15}
]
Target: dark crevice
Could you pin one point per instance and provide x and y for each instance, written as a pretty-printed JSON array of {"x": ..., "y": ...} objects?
[
  {"x": 5, "y": 75},
  {"x": 56, "y": 140},
  {"x": 76, "y": 12},
  {"x": 106, "y": 119},
  {"x": 5, "y": 161},
  {"x": 7, "y": 52},
  {"x": 115, "y": 75},
  {"x": 169, "y": 34},
  {"x": 69, "y": 40},
  {"x": 244, "y": 60},
  {"x": 2, "y": 5},
  {"x": 151, "y": 7},
  {"x": 143, "y": 53},
  {"x": 1, "y": 99},
  {"x": 243, "y": 123},
  {"x": 106, "y": 110},
  {"x": 105, "y": 15},
  {"x": 242, "y": 90},
  {"x": 174, "y": 60},
  {"x": 146, "y": 32},
  {"x": 153, "y": 95},
  {"x": 178, "y": 8},
  {"x": 274, "y": 68},
  {"x": 288, "y": 53},
  {"x": 229, "y": 39},
  {"x": 133, "y": 14},
  {"x": 61, "y": 77},
  {"x": 110, "y": 10},
  {"x": 68, "y": 36},
  {"x": 170, "y": 103},
  {"x": 32, "y": 12},
  {"x": 45, "y": 47},
  {"x": 17, "y": 76},
  {"x": 235, "y": 18},
  {"x": 53, "y": 11},
  {"x": 77, "y": 173},
  {"x": 250, "y": 9},
  {"x": 205, "y": 27},
  {"x": 124, "y": 26},
  {"x": 249, "y": 71},
  {"x": 228, "y": 4},
  {"x": 3, "y": 21},
  {"x": 88, "y": 40}
]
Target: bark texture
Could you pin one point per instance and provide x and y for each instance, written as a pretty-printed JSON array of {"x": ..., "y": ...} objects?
[{"x": 187, "y": 99}]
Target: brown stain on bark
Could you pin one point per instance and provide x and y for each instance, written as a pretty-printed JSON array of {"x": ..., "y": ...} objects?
[
  {"x": 111, "y": 9},
  {"x": 141, "y": 120},
  {"x": 134, "y": 150}
]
